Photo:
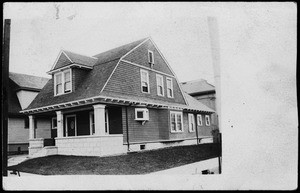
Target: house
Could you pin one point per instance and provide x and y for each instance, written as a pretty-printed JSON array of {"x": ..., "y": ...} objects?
[
  {"x": 203, "y": 92},
  {"x": 122, "y": 100},
  {"x": 22, "y": 90}
]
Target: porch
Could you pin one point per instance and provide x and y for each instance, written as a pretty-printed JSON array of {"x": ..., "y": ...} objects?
[{"x": 94, "y": 130}]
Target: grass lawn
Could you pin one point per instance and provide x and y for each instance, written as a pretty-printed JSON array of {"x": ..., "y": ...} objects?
[{"x": 129, "y": 164}]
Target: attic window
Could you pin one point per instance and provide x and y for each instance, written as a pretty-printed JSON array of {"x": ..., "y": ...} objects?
[
  {"x": 63, "y": 82},
  {"x": 150, "y": 58}
]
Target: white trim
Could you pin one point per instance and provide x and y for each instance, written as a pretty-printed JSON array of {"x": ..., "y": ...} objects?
[
  {"x": 172, "y": 87},
  {"x": 69, "y": 66},
  {"x": 66, "y": 130},
  {"x": 207, "y": 123},
  {"x": 162, "y": 84},
  {"x": 176, "y": 131},
  {"x": 170, "y": 69},
  {"x": 199, "y": 117},
  {"x": 150, "y": 69},
  {"x": 191, "y": 120},
  {"x": 148, "y": 82}
]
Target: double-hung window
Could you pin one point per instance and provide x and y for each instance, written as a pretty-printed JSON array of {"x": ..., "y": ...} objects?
[
  {"x": 67, "y": 78},
  {"x": 160, "y": 85},
  {"x": 169, "y": 88},
  {"x": 63, "y": 82},
  {"x": 145, "y": 81},
  {"x": 207, "y": 120},
  {"x": 176, "y": 121},
  {"x": 199, "y": 120},
  {"x": 192, "y": 124},
  {"x": 58, "y": 84}
]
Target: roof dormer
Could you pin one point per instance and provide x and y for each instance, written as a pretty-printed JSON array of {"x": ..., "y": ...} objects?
[{"x": 68, "y": 59}]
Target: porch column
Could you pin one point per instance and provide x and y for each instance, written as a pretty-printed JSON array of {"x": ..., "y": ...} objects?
[
  {"x": 60, "y": 123},
  {"x": 99, "y": 117},
  {"x": 31, "y": 127}
]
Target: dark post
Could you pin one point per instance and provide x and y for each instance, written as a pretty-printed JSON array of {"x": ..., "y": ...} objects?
[{"x": 5, "y": 74}]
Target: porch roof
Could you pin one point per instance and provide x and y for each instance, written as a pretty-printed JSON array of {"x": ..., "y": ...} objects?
[{"x": 194, "y": 105}]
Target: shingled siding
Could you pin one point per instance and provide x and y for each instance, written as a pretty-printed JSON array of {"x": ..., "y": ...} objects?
[
  {"x": 78, "y": 75},
  {"x": 62, "y": 61},
  {"x": 155, "y": 129},
  {"x": 126, "y": 80},
  {"x": 204, "y": 131},
  {"x": 140, "y": 56}
]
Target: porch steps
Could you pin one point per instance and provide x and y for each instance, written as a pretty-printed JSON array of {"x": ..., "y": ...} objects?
[{"x": 45, "y": 151}]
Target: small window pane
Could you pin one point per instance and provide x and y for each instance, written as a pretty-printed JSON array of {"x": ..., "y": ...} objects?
[
  {"x": 199, "y": 119},
  {"x": 179, "y": 128},
  {"x": 170, "y": 93},
  {"x": 140, "y": 114},
  {"x": 160, "y": 90},
  {"x": 144, "y": 87},
  {"x": 173, "y": 123},
  {"x": 150, "y": 57},
  {"x": 58, "y": 88},
  {"x": 67, "y": 86},
  {"x": 58, "y": 79},
  {"x": 67, "y": 76}
]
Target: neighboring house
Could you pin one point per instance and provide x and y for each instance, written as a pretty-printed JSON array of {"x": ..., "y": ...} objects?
[
  {"x": 22, "y": 90},
  {"x": 125, "y": 99},
  {"x": 203, "y": 92}
]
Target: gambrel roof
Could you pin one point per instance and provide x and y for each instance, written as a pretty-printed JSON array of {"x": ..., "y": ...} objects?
[{"x": 92, "y": 85}]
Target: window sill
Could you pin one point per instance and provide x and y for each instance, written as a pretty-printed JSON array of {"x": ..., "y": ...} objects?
[
  {"x": 176, "y": 131},
  {"x": 63, "y": 94}
]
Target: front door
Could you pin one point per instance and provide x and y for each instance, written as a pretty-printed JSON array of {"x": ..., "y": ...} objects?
[{"x": 71, "y": 125}]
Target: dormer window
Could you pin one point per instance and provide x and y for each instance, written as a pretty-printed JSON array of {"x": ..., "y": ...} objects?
[
  {"x": 150, "y": 58},
  {"x": 62, "y": 82}
]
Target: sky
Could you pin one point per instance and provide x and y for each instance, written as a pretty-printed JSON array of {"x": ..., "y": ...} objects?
[
  {"x": 40, "y": 30},
  {"x": 257, "y": 80}
]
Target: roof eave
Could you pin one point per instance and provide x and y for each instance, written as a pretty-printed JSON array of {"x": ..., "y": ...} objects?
[{"x": 69, "y": 66}]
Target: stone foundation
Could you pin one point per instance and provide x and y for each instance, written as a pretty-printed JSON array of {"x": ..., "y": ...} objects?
[{"x": 91, "y": 145}]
